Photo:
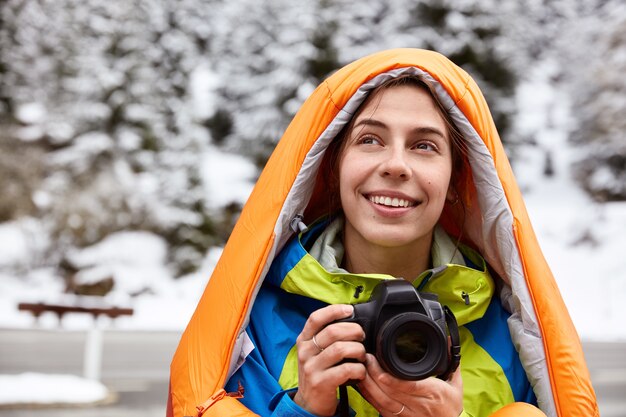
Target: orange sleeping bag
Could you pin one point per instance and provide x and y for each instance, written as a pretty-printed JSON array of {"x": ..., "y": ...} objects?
[{"x": 497, "y": 225}]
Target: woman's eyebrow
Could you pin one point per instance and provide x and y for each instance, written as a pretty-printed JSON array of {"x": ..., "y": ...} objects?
[
  {"x": 431, "y": 130},
  {"x": 370, "y": 122},
  {"x": 417, "y": 130}
]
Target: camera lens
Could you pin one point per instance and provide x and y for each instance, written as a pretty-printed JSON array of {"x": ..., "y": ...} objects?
[{"x": 411, "y": 345}]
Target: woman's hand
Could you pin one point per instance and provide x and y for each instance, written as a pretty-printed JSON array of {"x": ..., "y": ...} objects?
[
  {"x": 321, "y": 349},
  {"x": 429, "y": 397}
]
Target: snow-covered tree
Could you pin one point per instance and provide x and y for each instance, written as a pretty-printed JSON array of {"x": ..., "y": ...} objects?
[
  {"x": 116, "y": 84},
  {"x": 596, "y": 82},
  {"x": 262, "y": 48}
]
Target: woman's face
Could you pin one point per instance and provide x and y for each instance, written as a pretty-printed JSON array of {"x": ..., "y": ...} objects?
[{"x": 395, "y": 169}]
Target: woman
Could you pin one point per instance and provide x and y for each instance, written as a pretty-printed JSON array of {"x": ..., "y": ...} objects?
[{"x": 418, "y": 169}]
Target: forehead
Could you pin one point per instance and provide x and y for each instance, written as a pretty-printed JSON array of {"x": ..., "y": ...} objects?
[{"x": 404, "y": 103}]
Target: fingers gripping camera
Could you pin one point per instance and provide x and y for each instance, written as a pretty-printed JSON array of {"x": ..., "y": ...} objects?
[{"x": 408, "y": 331}]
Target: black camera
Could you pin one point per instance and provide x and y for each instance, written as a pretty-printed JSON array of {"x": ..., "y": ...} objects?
[{"x": 408, "y": 331}]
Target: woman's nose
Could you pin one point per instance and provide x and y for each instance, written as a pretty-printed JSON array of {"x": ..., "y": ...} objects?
[{"x": 396, "y": 165}]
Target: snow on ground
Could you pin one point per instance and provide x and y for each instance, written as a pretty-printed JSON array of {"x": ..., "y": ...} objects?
[
  {"x": 33, "y": 388},
  {"x": 136, "y": 261},
  {"x": 164, "y": 303}
]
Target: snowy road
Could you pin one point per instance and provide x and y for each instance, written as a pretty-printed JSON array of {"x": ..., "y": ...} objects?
[{"x": 135, "y": 366}]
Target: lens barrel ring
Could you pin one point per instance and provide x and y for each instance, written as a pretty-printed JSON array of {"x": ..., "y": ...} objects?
[{"x": 427, "y": 356}]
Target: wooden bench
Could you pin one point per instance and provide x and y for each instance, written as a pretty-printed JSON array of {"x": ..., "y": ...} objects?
[{"x": 37, "y": 309}]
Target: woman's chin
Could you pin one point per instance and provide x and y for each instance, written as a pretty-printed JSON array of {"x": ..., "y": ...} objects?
[{"x": 395, "y": 240}]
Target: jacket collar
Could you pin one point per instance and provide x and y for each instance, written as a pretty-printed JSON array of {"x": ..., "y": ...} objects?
[{"x": 459, "y": 275}]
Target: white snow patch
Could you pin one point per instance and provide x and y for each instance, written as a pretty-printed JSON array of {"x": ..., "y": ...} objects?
[
  {"x": 31, "y": 113},
  {"x": 203, "y": 83},
  {"x": 35, "y": 388},
  {"x": 229, "y": 178}
]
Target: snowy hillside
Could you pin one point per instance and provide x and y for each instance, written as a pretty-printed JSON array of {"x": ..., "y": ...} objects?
[{"x": 582, "y": 240}]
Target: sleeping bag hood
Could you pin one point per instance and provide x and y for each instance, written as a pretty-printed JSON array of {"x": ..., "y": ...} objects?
[{"x": 289, "y": 188}]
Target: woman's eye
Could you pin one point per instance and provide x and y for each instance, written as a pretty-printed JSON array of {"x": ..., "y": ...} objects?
[
  {"x": 426, "y": 146},
  {"x": 369, "y": 140}
]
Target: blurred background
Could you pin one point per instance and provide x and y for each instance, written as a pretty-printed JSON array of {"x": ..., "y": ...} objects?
[{"x": 132, "y": 132}]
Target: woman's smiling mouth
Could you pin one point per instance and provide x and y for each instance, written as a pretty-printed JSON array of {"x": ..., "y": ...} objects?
[{"x": 391, "y": 201}]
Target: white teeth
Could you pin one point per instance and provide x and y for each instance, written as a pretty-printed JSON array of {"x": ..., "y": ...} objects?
[{"x": 391, "y": 202}]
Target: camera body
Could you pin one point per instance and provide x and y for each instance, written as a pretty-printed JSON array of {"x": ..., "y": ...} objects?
[{"x": 408, "y": 331}]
